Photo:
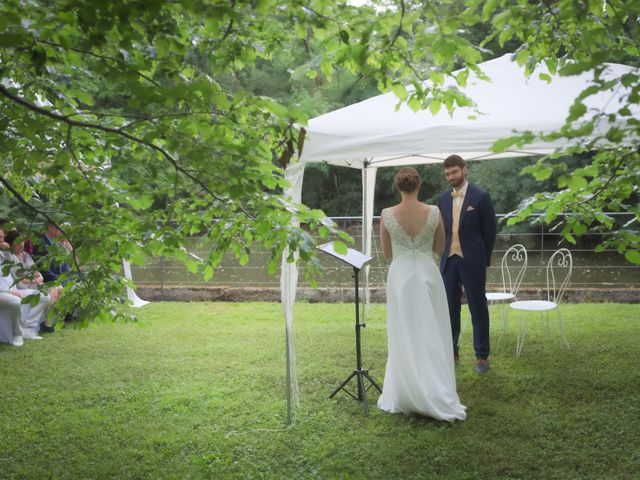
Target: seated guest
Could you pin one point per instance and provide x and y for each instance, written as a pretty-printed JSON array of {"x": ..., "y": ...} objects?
[
  {"x": 50, "y": 238},
  {"x": 30, "y": 323},
  {"x": 51, "y": 241},
  {"x": 24, "y": 269},
  {"x": 28, "y": 246},
  {"x": 10, "y": 301}
]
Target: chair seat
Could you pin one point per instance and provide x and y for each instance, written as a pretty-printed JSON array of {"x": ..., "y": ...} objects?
[
  {"x": 533, "y": 305},
  {"x": 497, "y": 296}
]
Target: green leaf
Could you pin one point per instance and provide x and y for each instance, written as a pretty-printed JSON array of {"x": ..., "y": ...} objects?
[
  {"x": 625, "y": 112},
  {"x": 327, "y": 68},
  {"x": 545, "y": 77},
  {"x": 208, "y": 273},
  {"x": 340, "y": 247},
  {"x": 438, "y": 78},
  {"x": 262, "y": 6},
  {"x": 488, "y": 8},
  {"x": 415, "y": 104},
  {"x": 577, "y": 110},
  {"x": 300, "y": 29},
  {"x": 580, "y": 229},
  {"x": 504, "y": 144},
  {"x": 522, "y": 57},
  {"x": 192, "y": 266},
  {"x": 399, "y": 91},
  {"x": 162, "y": 45},
  {"x": 552, "y": 65},
  {"x": 575, "y": 68},
  {"x": 632, "y": 256},
  {"x": 577, "y": 183},
  {"x": 141, "y": 202},
  {"x": 505, "y": 36},
  {"x": 629, "y": 79},
  {"x": 563, "y": 181},
  {"x": 615, "y": 135},
  {"x": 462, "y": 78},
  {"x": 540, "y": 172},
  {"x": 434, "y": 106}
]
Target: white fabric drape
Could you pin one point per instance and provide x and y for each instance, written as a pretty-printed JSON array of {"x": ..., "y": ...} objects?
[
  {"x": 368, "y": 192},
  {"x": 294, "y": 174},
  {"x": 136, "y": 301},
  {"x": 288, "y": 285}
]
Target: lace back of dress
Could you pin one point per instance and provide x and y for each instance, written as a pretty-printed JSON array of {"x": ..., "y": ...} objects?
[{"x": 401, "y": 242}]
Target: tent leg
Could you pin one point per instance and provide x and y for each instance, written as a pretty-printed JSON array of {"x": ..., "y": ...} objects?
[{"x": 288, "y": 362}]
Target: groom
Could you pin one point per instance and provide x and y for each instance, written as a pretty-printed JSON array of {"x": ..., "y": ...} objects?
[{"x": 470, "y": 232}]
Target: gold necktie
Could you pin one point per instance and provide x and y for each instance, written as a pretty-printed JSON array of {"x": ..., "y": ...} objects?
[{"x": 456, "y": 248}]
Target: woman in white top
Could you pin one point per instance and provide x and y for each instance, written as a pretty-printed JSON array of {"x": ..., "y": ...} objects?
[{"x": 29, "y": 280}]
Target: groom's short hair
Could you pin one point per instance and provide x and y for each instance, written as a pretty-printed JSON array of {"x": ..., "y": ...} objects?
[{"x": 454, "y": 161}]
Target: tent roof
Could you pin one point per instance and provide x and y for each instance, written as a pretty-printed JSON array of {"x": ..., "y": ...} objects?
[{"x": 373, "y": 132}]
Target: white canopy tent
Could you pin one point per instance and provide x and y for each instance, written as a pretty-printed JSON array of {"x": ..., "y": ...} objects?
[{"x": 372, "y": 134}]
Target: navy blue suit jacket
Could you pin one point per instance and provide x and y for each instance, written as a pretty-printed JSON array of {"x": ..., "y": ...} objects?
[
  {"x": 52, "y": 271},
  {"x": 477, "y": 227}
]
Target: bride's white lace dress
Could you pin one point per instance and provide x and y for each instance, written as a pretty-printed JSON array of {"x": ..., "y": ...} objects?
[{"x": 420, "y": 375}]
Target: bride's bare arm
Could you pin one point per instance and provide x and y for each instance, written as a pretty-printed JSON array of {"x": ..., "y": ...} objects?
[
  {"x": 385, "y": 241},
  {"x": 438, "y": 241}
]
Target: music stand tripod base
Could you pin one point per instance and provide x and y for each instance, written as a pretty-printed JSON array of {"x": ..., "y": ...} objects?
[
  {"x": 357, "y": 260},
  {"x": 362, "y": 391}
]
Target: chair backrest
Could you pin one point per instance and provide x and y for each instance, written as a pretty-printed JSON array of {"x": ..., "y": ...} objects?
[
  {"x": 559, "y": 270},
  {"x": 513, "y": 266}
]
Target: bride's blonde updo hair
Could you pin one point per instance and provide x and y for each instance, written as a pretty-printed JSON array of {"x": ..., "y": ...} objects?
[{"x": 407, "y": 180}]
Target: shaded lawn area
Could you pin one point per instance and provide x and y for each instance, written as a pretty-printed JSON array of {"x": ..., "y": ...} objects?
[{"x": 197, "y": 390}]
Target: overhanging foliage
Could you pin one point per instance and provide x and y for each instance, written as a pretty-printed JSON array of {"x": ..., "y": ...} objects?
[{"x": 115, "y": 124}]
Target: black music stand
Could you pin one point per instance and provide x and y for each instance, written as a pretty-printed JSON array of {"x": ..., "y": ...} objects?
[{"x": 357, "y": 260}]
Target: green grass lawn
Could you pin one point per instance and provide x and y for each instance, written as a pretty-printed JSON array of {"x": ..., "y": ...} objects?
[{"x": 198, "y": 391}]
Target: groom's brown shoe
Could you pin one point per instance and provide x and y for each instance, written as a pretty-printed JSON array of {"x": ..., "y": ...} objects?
[
  {"x": 456, "y": 357},
  {"x": 482, "y": 365}
]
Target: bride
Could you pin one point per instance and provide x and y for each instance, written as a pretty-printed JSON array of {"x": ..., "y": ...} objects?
[{"x": 420, "y": 375}]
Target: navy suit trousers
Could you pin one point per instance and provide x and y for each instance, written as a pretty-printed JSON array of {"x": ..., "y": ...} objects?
[{"x": 459, "y": 273}]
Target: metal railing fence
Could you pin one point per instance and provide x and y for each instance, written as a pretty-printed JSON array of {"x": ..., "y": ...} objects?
[{"x": 591, "y": 270}]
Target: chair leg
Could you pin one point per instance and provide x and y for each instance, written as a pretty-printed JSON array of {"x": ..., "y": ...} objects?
[
  {"x": 504, "y": 314},
  {"x": 562, "y": 328},
  {"x": 522, "y": 330},
  {"x": 544, "y": 316}
]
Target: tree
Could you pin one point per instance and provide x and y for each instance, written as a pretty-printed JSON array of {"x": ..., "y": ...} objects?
[
  {"x": 115, "y": 130},
  {"x": 570, "y": 37},
  {"x": 128, "y": 124}
]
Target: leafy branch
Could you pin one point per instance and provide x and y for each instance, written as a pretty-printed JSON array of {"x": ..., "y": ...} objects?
[
  {"x": 399, "y": 29},
  {"x": 118, "y": 132},
  {"x": 102, "y": 57},
  {"x": 614, "y": 174}
]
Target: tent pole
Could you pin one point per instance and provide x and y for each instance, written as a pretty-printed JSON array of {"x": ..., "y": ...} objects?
[
  {"x": 289, "y": 408},
  {"x": 368, "y": 190}
]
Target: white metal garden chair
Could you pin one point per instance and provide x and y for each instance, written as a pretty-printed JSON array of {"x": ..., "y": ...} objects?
[
  {"x": 558, "y": 272},
  {"x": 512, "y": 269}
]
